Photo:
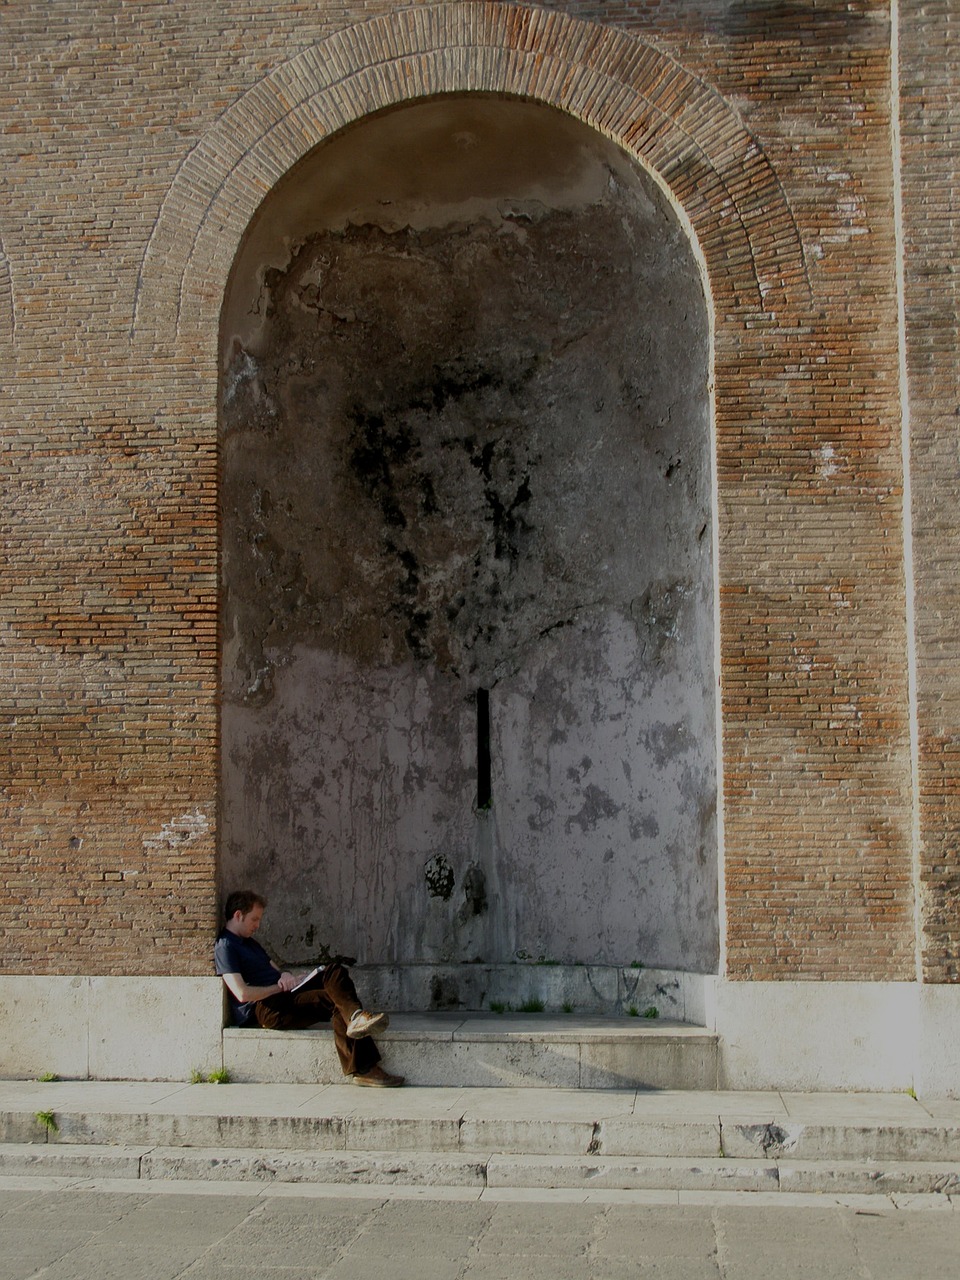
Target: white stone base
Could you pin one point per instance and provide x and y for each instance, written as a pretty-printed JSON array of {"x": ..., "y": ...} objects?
[
  {"x": 874, "y": 1036},
  {"x": 938, "y": 1055},
  {"x": 110, "y": 1028},
  {"x": 773, "y": 1035}
]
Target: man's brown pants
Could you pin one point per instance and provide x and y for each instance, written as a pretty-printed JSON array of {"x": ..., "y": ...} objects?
[{"x": 329, "y": 997}]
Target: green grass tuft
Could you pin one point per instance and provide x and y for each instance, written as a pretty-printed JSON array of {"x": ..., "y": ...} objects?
[{"x": 220, "y": 1076}]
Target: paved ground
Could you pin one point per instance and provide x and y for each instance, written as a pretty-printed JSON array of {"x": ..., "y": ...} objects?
[{"x": 53, "y": 1231}]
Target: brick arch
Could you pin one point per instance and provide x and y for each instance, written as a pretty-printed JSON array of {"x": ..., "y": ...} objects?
[{"x": 675, "y": 124}]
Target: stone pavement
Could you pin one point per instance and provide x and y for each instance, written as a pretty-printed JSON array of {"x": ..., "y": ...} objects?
[{"x": 52, "y": 1229}]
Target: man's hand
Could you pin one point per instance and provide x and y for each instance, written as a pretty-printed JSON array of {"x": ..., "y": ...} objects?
[{"x": 286, "y": 982}]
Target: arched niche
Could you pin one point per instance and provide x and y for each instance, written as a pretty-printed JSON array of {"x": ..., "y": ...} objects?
[{"x": 468, "y": 608}]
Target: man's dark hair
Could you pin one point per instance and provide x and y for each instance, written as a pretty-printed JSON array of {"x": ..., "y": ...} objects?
[{"x": 243, "y": 900}]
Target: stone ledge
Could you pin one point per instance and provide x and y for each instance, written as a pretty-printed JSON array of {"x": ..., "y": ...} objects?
[{"x": 482, "y": 1050}]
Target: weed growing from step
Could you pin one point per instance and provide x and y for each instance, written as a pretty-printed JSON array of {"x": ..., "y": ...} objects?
[
  {"x": 497, "y": 1006},
  {"x": 221, "y": 1076},
  {"x": 567, "y": 1007},
  {"x": 651, "y": 1011},
  {"x": 48, "y": 1077},
  {"x": 532, "y": 1006},
  {"x": 48, "y": 1120},
  {"x": 633, "y": 1012}
]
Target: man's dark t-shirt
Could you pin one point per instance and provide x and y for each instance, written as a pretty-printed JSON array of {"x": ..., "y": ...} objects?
[{"x": 246, "y": 957}]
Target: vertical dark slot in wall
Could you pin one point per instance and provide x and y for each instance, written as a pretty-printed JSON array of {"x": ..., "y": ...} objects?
[{"x": 483, "y": 749}]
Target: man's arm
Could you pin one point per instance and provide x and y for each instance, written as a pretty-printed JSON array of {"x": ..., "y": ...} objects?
[{"x": 245, "y": 993}]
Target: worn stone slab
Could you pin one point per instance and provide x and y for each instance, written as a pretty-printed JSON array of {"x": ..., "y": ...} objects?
[
  {"x": 710, "y": 1104},
  {"x": 280, "y": 1057},
  {"x": 21, "y": 1127},
  {"x": 55, "y": 1160},
  {"x": 401, "y": 1133},
  {"x": 650, "y": 1136},
  {"x": 146, "y": 1128},
  {"x": 491, "y": 1064},
  {"x": 517, "y": 1135},
  {"x": 547, "y": 1104},
  {"x": 946, "y": 1110},
  {"x": 886, "y": 1177},
  {"x": 347, "y": 1100},
  {"x": 922, "y": 1201},
  {"x": 238, "y": 1164},
  {"x": 246, "y": 1099},
  {"x": 645, "y": 1173},
  {"x": 881, "y": 1140},
  {"x": 671, "y": 1062},
  {"x": 117, "y": 1095},
  {"x": 824, "y": 1108},
  {"x": 538, "y": 1120},
  {"x": 169, "y": 1129}
]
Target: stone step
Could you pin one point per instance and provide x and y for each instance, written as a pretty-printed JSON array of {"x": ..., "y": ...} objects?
[
  {"x": 477, "y": 1050},
  {"x": 79, "y": 1163},
  {"x": 577, "y": 1130}
]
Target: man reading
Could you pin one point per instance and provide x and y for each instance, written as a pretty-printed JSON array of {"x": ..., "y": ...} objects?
[{"x": 261, "y": 996}]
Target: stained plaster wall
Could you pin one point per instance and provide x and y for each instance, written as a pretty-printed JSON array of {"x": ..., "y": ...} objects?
[{"x": 466, "y": 446}]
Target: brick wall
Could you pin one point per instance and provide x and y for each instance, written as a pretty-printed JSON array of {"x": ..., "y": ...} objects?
[
  {"x": 930, "y": 141},
  {"x": 772, "y": 126}
]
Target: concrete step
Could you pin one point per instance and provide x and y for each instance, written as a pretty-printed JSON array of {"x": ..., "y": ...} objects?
[
  {"x": 478, "y": 1050},
  {"x": 609, "y": 1139}
]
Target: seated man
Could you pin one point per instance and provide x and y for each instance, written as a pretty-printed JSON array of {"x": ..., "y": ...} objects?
[{"x": 262, "y": 996}]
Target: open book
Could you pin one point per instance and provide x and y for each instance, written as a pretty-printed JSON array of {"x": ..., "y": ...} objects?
[{"x": 308, "y": 978}]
